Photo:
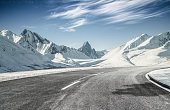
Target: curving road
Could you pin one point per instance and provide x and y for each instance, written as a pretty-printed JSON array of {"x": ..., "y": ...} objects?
[{"x": 98, "y": 89}]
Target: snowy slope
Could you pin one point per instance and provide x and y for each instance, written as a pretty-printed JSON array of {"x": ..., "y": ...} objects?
[
  {"x": 115, "y": 58},
  {"x": 142, "y": 51},
  {"x": 13, "y": 57}
]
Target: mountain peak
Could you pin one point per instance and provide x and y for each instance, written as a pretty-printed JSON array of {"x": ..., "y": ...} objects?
[
  {"x": 5, "y": 32},
  {"x": 89, "y": 51},
  {"x": 25, "y": 31},
  {"x": 144, "y": 34},
  {"x": 87, "y": 44}
]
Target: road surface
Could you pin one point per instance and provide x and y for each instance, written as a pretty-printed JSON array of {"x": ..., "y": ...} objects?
[{"x": 98, "y": 89}]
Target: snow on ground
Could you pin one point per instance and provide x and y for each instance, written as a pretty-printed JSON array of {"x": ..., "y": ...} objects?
[
  {"x": 114, "y": 58},
  {"x": 24, "y": 74},
  {"x": 88, "y": 62},
  {"x": 142, "y": 51},
  {"x": 147, "y": 57},
  {"x": 162, "y": 76}
]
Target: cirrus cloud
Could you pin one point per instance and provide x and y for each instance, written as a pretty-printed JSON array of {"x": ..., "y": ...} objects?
[
  {"x": 71, "y": 26},
  {"x": 111, "y": 11}
]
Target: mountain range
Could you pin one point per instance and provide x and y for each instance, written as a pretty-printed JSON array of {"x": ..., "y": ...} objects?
[
  {"x": 30, "y": 51},
  {"x": 37, "y": 50}
]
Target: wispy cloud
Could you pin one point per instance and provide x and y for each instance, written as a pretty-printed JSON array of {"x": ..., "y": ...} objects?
[
  {"x": 71, "y": 27},
  {"x": 29, "y": 27},
  {"x": 70, "y": 14},
  {"x": 111, "y": 11}
]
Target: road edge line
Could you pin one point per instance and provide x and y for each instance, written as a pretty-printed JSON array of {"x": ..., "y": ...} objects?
[{"x": 157, "y": 83}]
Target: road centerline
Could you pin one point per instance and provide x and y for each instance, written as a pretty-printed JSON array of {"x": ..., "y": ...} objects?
[
  {"x": 73, "y": 83},
  {"x": 79, "y": 80}
]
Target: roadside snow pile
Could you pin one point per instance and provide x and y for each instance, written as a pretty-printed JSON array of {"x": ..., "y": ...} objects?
[
  {"x": 25, "y": 74},
  {"x": 161, "y": 77}
]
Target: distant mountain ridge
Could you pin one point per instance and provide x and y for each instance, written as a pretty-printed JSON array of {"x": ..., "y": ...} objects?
[
  {"x": 88, "y": 50},
  {"x": 32, "y": 40},
  {"x": 91, "y": 52}
]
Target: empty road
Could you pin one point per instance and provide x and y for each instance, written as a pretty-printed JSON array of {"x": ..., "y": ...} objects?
[{"x": 123, "y": 88}]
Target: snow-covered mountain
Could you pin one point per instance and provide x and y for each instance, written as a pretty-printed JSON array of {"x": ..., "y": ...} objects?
[
  {"x": 14, "y": 57},
  {"x": 33, "y": 41},
  {"x": 141, "y": 51},
  {"x": 30, "y": 51},
  {"x": 91, "y": 52}
]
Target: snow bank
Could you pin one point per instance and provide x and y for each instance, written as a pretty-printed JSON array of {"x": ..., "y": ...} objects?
[
  {"x": 162, "y": 77},
  {"x": 25, "y": 74}
]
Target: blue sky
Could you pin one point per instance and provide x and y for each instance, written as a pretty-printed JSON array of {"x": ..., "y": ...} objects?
[{"x": 104, "y": 23}]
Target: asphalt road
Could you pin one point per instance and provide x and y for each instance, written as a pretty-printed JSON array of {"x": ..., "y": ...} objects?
[{"x": 97, "y": 89}]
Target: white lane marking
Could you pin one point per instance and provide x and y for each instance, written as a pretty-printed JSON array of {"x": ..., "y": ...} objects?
[
  {"x": 73, "y": 83},
  {"x": 78, "y": 81},
  {"x": 156, "y": 83}
]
